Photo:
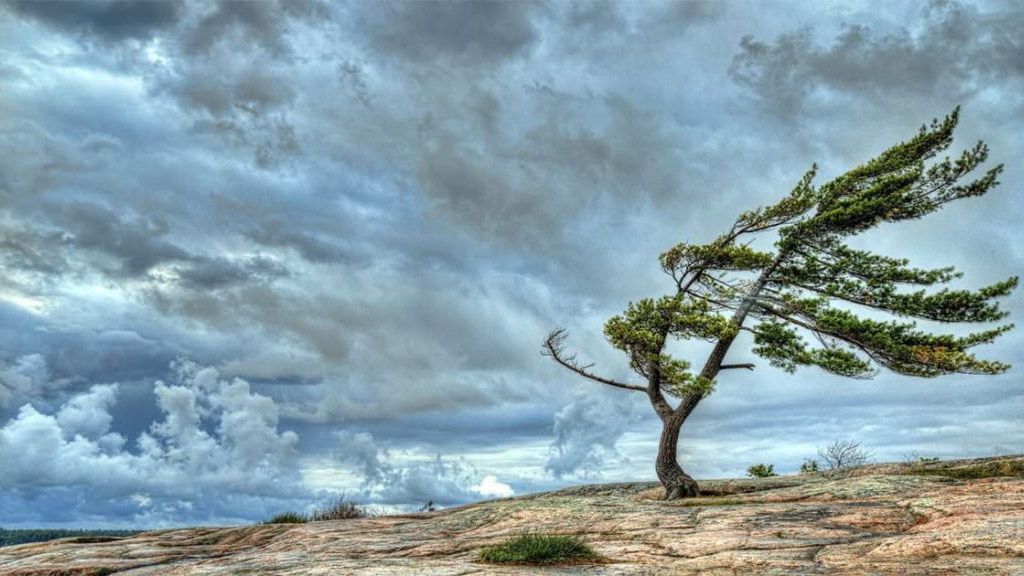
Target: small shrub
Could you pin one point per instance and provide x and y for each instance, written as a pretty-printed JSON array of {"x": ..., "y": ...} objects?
[
  {"x": 341, "y": 509},
  {"x": 540, "y": 549},
  {"x": 287, "y": 518},
  {"x": 761, "y": 471},
  {"x": 843, "y": 454},
  {"x": 810, "y": 466}
]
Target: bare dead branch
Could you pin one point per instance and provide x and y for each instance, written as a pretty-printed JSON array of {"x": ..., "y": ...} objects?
[
  {"x": 747, "y": 365},
  {"x": 554, "y": 346}
]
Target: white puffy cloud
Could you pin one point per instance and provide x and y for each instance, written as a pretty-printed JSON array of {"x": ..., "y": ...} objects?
[
  {"x": 586, "y": 432},
  {"x": 217, "y": 443},
  {"x": 491, "y": 487},
  {"x": 27, "y": 378},
  {"x": 414, "y": 482},
  {"x": 88, "y": 414}
]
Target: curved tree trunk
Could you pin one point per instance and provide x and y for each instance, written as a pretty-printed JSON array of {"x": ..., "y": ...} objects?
[{"x": 678, "y": 484}]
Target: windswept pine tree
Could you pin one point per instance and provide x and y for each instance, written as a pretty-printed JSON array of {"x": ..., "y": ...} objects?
[{"x": 805, "y": 301}]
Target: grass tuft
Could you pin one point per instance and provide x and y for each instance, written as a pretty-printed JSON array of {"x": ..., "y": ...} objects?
[
  {"x": 287, "y": 518},
  {"x": 540, "y": 549},
  {"x": 341, "y": 509}
]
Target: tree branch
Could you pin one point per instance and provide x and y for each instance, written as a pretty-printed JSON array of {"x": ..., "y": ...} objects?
[
  {"x": 554, "y": 346},
  {"x": 748, "y": 366}
]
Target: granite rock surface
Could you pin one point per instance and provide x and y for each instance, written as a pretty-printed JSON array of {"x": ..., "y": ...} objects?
[{"x": 954, "y": 517}]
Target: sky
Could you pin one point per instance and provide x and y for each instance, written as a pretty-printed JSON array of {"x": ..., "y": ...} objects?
[{"x": 258, "y": 255}]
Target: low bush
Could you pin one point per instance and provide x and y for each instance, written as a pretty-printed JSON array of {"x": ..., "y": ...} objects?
[
  {"x": 810, "y": 466},
  {"x": 540, "y": 549},
  {"x": 341, "y": 509},
  {"x": 287, "y": 518},
  {"x": 761, "y": 471}
]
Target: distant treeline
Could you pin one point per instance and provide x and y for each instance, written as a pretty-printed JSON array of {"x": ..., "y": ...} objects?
[{"x": 12, "y": 537}]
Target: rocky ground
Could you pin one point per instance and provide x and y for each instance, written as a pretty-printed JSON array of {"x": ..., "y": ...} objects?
[{"x": 956, "y": 517}]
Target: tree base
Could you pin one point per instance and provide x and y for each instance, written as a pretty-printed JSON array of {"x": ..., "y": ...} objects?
[{"x": 684, "y": 487}]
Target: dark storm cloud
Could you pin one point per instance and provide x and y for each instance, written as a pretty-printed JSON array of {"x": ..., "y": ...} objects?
[
  {"x": 137, "y": 245},
  {"x": 459, "y": 31},
  {"x": 681, "y": 13},
  {"x": 252, "y": 91},
  {"x": 111, "y": 20},
  {"x": 958, "y": 52},
  {"x": 24, "y": 250},
  {"x": 250, "y": 24},
  {"x": 529, "y": 186},
  {"x": 128, "y": 247},
  {"x": 227, "y": 69},
  {"x": 310, "y": 246},
  {"x": 205, "y": 273}
]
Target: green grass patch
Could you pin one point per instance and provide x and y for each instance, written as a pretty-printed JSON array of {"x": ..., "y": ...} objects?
[
  {"x": 540, "y": 549},
  {"x": 340, "y": 509},
  {"x": 288, "y": 518}
]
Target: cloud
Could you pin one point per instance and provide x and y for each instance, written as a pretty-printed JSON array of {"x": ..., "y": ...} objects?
[
  {"x": 110, "y": 20},
  {"x": 959, "y": 51},
  {"x": 205, "y": 273},
  {"x": 309, "y": 246},
  {"x": 413, "y": 483},
  {"x": 136, "y": 245},
  {"x": 458, "y": 32},
  {"x": 490, "y": 487},
  {"x": 217, "y": 444},
  {"x": 586, "y": 433},
  {"x": 250, "y": 25},
  {"x": 27, "y": 378},
  {"x": 88, "y": 414}
]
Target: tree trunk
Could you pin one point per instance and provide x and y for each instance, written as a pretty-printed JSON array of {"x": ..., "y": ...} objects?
[{"x": 678, "y": 484}]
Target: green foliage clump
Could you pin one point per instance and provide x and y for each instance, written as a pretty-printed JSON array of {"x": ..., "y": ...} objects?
[
  {"x": 288, "y": 518},
  {"x": 341, "y": 509},
  {"x": 540, "y": 549},
  {"x": 809, "y": 466},
  {"x": 761, "y": 471},
  {"x": 642, "y": 330}
]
